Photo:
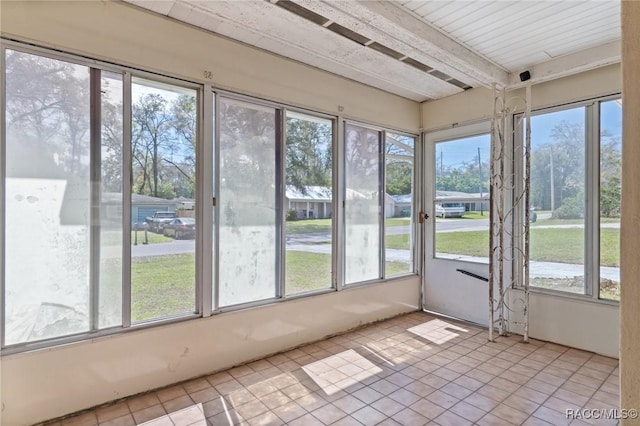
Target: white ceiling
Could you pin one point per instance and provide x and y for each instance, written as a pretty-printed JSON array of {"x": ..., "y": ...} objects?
[{"x": 419, "y": 49}]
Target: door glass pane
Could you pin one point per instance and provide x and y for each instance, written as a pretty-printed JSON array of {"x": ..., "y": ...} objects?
[
  {"x": 309, "y": 203},
  {"x": 47, "y": 198},
  {"x": 461, "y": 202},
  {"x": 163, "y": 143},
  {"x": 558, "y": 200},
  {"x": 111, "y": 201},
  {"x": 610, "y": 192},
  {"x": 247, "y": 203},
  {"x": 362, "y": 204},
  {"x": 399, "y": 155}
]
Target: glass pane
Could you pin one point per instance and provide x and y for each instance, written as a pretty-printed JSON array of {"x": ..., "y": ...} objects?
[
  {"x": 47, "y": 200},
  {"x": 461, "y": 204},
  {"x": 163, "y": 143},
  {"x": 309, "y": 203},
  {"x": 111, "y": 202},
  {"x": 247, "y": 203},
  {"x": 362, "y": 206},
  {"x": 399, "y": 154},
  {"x": 610, "y": 191},
  {"x": 558, "y": 200}
]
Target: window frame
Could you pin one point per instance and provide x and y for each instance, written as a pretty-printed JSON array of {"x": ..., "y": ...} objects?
[
  {"x": 463, "y": 131},
  {"x": 207, "y": 241},
  {"x": 416, "y": 202},
  {"x": 334, "y": 203},
  {"x": 592, "y": 228}
]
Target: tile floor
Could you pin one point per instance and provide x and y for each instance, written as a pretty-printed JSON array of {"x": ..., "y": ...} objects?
[{"x": 411, "y": 370}]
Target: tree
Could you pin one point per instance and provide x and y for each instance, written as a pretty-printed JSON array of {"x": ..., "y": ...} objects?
[
  {"x": 610, "y": 176},
  {"x": 309, "y": 154},
  {"x": 399, "y": 152},
  {"x": 467, "y": 177},
  {"x": 47, "y": 109},
  {"x": 163, "y": 145},
  {"x": 566, "y": 154}
]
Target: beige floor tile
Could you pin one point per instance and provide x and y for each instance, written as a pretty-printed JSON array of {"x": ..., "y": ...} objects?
[
  {"x": 187, "y": 416},
  {"x": 430, "y": 376},
  {"x": 289, "y": 411},
  {"x": 84, "y": 419},
  {"x": 443, "y": 399},
  {"x": 449, "y": 418},
  {"x": 388, "y": 406},
  {"x": 170, "y": 393},
  {"x": 328, "y": 414},
  {"x": 149, "y": 413},
  {"x": 468, "y": 411},
  {"x": 178, "y": 404},
  {"x": 112, "y": 411},
  {"x": 509, "y": 414},
  {"x": 408, "y": 417}
]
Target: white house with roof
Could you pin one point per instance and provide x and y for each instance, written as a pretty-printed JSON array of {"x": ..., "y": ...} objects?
[
  {"x": 472, "y": 201},
  {"x": 312, "y": 202}
]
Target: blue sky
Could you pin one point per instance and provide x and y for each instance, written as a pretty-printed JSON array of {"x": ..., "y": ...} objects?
[{"x": 457, "y": 152}]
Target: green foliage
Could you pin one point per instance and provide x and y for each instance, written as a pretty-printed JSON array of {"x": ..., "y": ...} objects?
[
  {"x": 399, "y": 176},
  {"x": 309, "y": 153},
  {"x": 292, "y": 215},
  {"x": 610, "y": 178},
  {"x": 468, "y": 177},
  {"x": 571, "y": 208},
  {"x": 163, "y": 145}
]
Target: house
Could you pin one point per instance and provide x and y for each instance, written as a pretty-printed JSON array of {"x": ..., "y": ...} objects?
[
  {"x": 472, "y": 201},
  {"x": 143, "y": 206},
  {"x": 309, "y": 202},
  {"x": 246, "y": 325}
]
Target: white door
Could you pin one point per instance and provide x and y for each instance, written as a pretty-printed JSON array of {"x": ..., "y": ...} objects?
[{"x": 457, "y": 230}]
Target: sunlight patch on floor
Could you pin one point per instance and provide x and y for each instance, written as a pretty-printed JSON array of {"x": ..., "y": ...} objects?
[
  {"x": 437, "y": 331},
  {"x": 339, "y": 371}
]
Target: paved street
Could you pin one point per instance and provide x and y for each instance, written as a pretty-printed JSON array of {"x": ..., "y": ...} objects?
[{"x": 319, "y": 243}]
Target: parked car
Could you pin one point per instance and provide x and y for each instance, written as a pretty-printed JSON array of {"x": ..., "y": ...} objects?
[
  {"x": 182, "y": 227},
  {"x": 450, "y": 210},
  {"x": 159, "y": 220}
]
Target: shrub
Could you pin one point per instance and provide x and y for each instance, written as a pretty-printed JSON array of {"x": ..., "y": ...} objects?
[
  {"x": 571, "y": 208},
  {"x": 292, "y": 215}
]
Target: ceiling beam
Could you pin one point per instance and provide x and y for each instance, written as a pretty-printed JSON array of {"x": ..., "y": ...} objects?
[
  {"x": 395, "y": 27},
  {"x": 584, "y": 60}
]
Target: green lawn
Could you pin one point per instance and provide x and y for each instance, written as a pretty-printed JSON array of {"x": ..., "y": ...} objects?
[
  {"x": 475, "y": 215},
  {"x": 162, "y": 286},
  {"x": 152, "y": 238},
  {"x": 312, "y": 271},
  {"x": 546, "y": 222},
  {"x": 564, "y": 245},
  {"x": 114, "y": 238},
  {"x": 400, "y": 241},
  {"x": 308, "y": 226},
  {"x": 609, "y": 290}
]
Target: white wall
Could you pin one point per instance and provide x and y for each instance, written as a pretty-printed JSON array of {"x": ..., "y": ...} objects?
[
  {"x": 581, "y": 324},
  {"x": 43, "y": 384}
]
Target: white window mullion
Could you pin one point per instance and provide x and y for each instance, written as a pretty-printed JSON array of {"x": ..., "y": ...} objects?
[
  {"x": 382, "y": 184},
  {"x": 205, "y": 202},
  {"x": 592, "y": 201},
  {"x": 95, "y": 165},
  {"x": 126, "y": 202},
  {"x": 339, "y": 205}
]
